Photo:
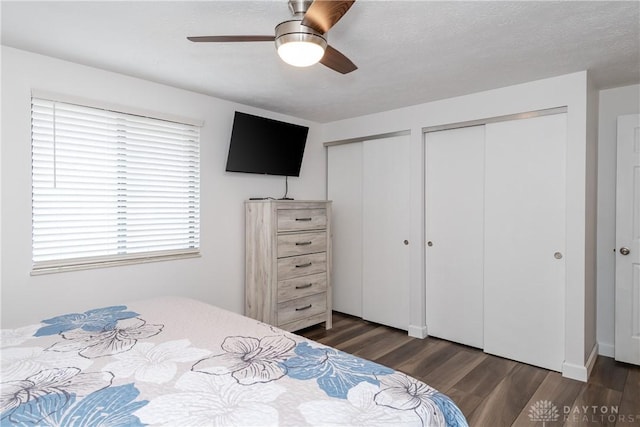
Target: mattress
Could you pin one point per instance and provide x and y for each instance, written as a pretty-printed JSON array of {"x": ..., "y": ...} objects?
[{"x": 177, "y": 361}]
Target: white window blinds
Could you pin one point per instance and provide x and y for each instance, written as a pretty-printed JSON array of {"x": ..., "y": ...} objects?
[{"x": 111, "y": 187}]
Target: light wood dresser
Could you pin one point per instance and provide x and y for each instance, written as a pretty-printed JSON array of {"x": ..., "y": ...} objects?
[{"x": 288, "y": 262}]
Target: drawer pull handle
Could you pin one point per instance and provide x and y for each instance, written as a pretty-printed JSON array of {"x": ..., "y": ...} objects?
[
  {"x": 306, "y": 307},
  {"x": 303, "y": 265},
  {"x": 302, "y": 243},
  {"x": 308, "y": 285},
  {"x": 303, "y": 219}
]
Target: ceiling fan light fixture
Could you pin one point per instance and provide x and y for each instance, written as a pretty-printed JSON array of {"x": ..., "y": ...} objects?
[
  {"x": 298, "y": 45},
  {"x": 301, "y": 53}
]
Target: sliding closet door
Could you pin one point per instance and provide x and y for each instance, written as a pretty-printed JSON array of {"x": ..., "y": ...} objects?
[
  {"x": 455, "y": 234},
  {"x": 385, "y": 231},
  {"x": 524, "y": 274},
  {"x": 344, "y": 188}
]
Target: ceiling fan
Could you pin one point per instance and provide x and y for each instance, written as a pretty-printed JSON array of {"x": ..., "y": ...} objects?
[{"x": 302, "y": 41}]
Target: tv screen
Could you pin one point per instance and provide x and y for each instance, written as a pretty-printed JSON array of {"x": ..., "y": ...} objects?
[{"x": 265, "y": 146}]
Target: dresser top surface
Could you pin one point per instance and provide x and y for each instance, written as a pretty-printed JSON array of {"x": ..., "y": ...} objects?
[{"x": 285, "y": 202}]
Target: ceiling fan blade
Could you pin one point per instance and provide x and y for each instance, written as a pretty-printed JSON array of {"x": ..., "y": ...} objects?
[
  {"x": 227, "y": 39},
  {"x": 337, "y": 61},
  {"x": 323, "y": 14}
]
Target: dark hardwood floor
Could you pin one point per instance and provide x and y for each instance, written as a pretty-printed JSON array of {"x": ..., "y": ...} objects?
[{"x": 492, "y": 391}]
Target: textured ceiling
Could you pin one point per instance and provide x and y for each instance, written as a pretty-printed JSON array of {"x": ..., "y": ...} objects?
[{"x": 408, "y": 52}]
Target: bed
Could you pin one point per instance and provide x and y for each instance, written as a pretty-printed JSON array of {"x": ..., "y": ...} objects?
[{"x": 177, "y": 361}]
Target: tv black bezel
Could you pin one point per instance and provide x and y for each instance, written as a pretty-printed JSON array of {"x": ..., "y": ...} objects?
[{"x": 238, "y": 144}]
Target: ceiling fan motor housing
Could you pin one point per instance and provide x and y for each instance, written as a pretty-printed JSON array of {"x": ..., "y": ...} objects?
[{"x": 294, "y": 31}]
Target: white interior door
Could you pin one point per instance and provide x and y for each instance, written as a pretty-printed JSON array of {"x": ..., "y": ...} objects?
[
  {"x": 524, "y": 274},
  {"x": 385, "y": 227},
  {"x": 344, "y": 188},
  {"x": 455, "y": 234},
  {"x": 627, "y": 324}
]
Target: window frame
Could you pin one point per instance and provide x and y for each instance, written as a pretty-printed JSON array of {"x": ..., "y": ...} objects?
[{"x": 102, "y": 261}]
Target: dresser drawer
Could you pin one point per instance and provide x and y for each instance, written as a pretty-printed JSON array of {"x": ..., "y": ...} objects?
[
  {"x": 301, "y": 243},
  {"x": 301, "y": 219},
  {"x": 300, "y": 308},
  {"x": 301, "y": 265},
  {"x": 301, "y": 286}
]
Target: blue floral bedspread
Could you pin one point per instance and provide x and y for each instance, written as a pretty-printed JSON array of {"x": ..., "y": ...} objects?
[{"x": 175, "y": 361}]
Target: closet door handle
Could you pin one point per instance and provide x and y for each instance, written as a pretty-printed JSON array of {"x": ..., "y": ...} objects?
[
  {"x": 624, "y": 251},
  {"x": 302, "y": 243},
  {"x": 303, "y": 265}
]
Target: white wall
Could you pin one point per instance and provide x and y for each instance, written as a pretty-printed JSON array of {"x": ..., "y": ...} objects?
[
  {"x": 612, "y": 103},
  {"x": 216, "y": 277},
  {"x": 568, "y": 90}
]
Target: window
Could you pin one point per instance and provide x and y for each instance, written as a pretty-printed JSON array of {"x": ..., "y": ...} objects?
[{"x": 110, "y": 187}]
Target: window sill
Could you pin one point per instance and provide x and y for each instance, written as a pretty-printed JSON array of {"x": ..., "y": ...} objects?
[{"x": 89, "y": 265}]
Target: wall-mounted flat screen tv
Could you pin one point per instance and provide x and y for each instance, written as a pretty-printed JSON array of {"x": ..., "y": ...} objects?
[{"x": 265, "y": 146}]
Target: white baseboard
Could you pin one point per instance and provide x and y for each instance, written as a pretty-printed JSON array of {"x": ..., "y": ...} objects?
[
  {"x": 575, "y": 372},
  {"x": 606, "y": 349},
  {"x": 417, "y": 331},
  {"x": 579, "y": 372}
]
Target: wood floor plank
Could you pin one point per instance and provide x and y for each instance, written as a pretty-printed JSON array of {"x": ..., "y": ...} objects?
[
  {"x": 431, "y": 358},
  {"x": 336, "y": 338},
  {"x": 629, "y": 410},
  {"x": 506, "y": 401},
  {"x": 383, "y": 345},
  {"x": 559, "y": 391},
  {"x": 487, "y": 375},
  {"x": 364, "y": 340},
  {"x": 407, "y": 352},
  {"x": 609, "y": 373},
  {"x": 413, "y": 365},
  {"x": 467, "y": 402},
  {"x": 453, "y": 370},
  {"x": 593, "y": 407}
]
